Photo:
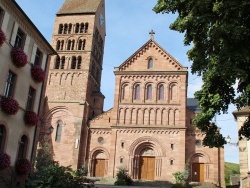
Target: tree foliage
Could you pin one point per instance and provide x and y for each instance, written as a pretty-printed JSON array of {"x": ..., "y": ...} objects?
[{"x": 219, "y": 34}]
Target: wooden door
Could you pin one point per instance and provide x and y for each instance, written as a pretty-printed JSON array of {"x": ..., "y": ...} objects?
[
  {"x": 99, "y": 167},
  {"x": 198, "y": 172},
  {"x": 147, "y": 168}
]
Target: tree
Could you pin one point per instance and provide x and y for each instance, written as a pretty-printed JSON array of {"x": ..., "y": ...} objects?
[{"x": 219, "y": 34}]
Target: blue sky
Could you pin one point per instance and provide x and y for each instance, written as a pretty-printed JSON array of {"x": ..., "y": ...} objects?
[{"x": 127, "y": 28}]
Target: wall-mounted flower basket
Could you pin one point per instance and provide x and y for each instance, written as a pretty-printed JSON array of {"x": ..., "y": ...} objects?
[
  {"x": 18, "y": 57},
  {"x": 30, "y": 118},
  {"x": 2, "y": 37},
  {"x": 4, "y": 160},
  {"x": 9, "y": 106},
  {"x": 37, "y": 74},
  {"x": 23, "y": 167}
]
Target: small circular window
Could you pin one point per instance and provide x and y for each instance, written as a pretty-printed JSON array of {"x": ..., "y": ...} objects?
[
  {"x": 198, "y": 143},
  {"x": 100, "y": 140}
]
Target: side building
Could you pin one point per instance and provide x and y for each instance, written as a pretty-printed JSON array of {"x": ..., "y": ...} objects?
[{"x": 24, "y": 56}]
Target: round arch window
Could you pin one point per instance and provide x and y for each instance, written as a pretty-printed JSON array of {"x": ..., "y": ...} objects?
[{"x": 100, "y": 140}]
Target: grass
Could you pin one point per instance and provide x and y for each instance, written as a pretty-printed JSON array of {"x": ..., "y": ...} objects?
[{"x": 231, "y": 169}]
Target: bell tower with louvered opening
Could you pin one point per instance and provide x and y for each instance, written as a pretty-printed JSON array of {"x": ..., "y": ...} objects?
[{"x": 73, "y": 85}]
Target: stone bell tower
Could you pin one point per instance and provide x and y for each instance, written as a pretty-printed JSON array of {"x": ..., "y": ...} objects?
[{"x": 73, "y": 85}]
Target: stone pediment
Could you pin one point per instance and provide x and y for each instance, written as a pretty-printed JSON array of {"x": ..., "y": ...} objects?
[{"x": 162, "y": 60}]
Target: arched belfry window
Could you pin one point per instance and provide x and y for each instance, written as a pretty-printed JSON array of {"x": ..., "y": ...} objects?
[
  {"x": 79, "y": 62},
  {"x": 62, "y": 62},
  {"x": 149, "y": 92},
  {"x": 58, "y": 131},
  {"x": 60, "y": 29},
  {"x": 86, "y": 27},
  {"x": 69, "y": 45},
  {"x": 77, "y": 28},
  {"x": 161, "y": 92},
  {"x": 65, "y": 29},
  {"x": 82, "y": 28},
  {"x": 73, "y": 62},
  {"x": 70, "y": 28},
  {"x": 137, "y": 92},
  {"x": 150, "y": 63},
  {"x": 57, "y": 62},
  {"x": 2, "y": 137},
  {"x": 58, "y": 44},
  {"x": 23, "y": 145}
]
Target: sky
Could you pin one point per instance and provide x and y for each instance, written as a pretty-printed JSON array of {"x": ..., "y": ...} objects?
[{"x": 128, "y": 24}]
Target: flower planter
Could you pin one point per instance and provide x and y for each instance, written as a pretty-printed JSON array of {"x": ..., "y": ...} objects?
[
  {"x": 30, "y": 118},
  {"x": 18, "y": 57},
  {"x": 37, "y": 74},
  {"x": 2, "y": 37},
  {"x": 23, "y": 167},
  {"x": 9, "y": 106},
  {"x": 4, "y": 160}
]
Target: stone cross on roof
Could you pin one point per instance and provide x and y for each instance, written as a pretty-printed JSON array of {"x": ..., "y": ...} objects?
[{"x": 152, "y": 34}]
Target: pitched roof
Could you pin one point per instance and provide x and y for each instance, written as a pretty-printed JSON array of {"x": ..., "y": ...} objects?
[
  {"x": 79, "y": 6},
  {"x": 193, "y": 104}
]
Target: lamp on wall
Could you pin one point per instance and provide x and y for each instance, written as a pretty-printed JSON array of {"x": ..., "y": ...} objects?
[{"x": 228, "y": 140}]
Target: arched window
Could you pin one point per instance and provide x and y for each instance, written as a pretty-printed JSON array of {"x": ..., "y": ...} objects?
[
  {"x": 125, "y": 91},
  {"x": 2, "y": 137},
  {"x": 77, "y": 28},
  {"x": 62, "y": 43},
  {"x": 161, "y": 92},
  {"x": 58, "y": 45},
  {"x": 58, "y": 131},
  {"x": 73, "y": 44},
  {"x": 80, "y": 44},
  {"x": 86, "y": 27},
  {"x": 79, "y": 63},
  {"x": 65, "y": 29},
  {"x": 60, "y": 29},
  {"x": 73, "y": 62},
  {"x": 149, "y": 92},
  {"x": 57, "y": 62},
  {"x": 69, "y": 45},
  {"x": 23, "y": 145},
  {"x": 83, "y": 44},
  {"x": 70, "y": 28},
  {"x": 150, "y": 63},
  {"x": 137, "y": 92},
  {"x": 82, "y": 28},
  {"x": 62, "y": 62}
]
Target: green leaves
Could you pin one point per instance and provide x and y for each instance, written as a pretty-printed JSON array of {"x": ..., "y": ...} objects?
[{"x": 220, "y": 34}]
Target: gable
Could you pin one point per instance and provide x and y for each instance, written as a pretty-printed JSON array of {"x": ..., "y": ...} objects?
[{"x": 153, "y": 54}]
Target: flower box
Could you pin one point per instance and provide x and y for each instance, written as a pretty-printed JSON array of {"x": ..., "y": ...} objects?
[
  {"x": 18, "y": 57},
  {"x": 37, "y": 74},
  {"x": 2, "y": 37},
  {"x": 4, "y": 160},
  {"x": 30, "y": 118},
  {"x": 9, "y": 106},
  {"x": 23, "y": 167}
]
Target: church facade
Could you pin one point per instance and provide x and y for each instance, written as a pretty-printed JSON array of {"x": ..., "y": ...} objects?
[{"x": 149, "y": 130}]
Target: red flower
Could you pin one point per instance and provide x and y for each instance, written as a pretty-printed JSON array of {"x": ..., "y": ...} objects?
[
  {"x": 9, "y": 106},
  {"x": 18, "y": 56},
  {"x": 37, "y": 74},
  {"x": 23, "y": 167},
  {"x": 4, "y": 160},
  {"x": 2, "y": 37},
  {"x": 31, "y": 118}
]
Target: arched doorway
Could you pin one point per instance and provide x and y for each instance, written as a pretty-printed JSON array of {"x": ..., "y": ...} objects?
[
  {"x": 99, "y": 162},
  {"x": 99, "y": 165},
  {"x": 146, "y": 158},
  {"x": 147, "y": 164},
  {"x": 199, "y": 167}
]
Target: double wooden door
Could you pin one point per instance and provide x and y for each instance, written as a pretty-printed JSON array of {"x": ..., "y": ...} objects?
[
  {"x": 147, "y": 168},
  {"x": 198, "y": 172},
  {"x": 99, "y": 167}
]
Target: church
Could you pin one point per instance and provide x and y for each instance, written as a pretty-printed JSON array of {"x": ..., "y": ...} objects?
[{"x": 149, "y": 129}]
